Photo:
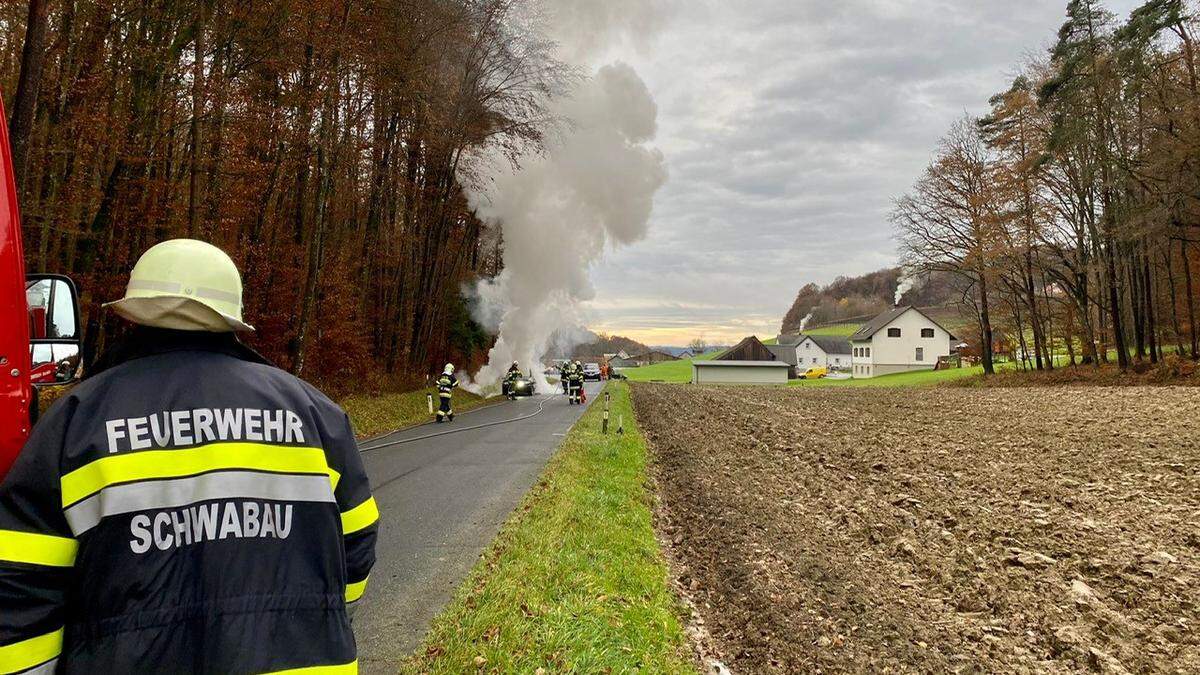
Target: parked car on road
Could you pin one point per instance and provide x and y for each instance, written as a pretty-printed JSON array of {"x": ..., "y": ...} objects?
[
  {"x": 815, "y": 373},
  {"x": 591, "y": 372}
]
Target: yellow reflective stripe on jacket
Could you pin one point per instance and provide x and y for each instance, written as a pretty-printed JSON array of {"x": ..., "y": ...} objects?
[
  {"x": 360, "y": 517},
  {"x": 29, "y": 653},
  {"x": 355, "y": 591},
  {"x": 155, "y": 464},
  {"x": 37, "y": 549},
  {"x": 344, "y": 669}
]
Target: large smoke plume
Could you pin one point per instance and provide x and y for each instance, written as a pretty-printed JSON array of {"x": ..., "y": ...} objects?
[{"x": 592, "y": 189}]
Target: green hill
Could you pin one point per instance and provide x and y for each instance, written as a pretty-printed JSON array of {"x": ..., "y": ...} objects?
[{"x": 669, "y": 371}]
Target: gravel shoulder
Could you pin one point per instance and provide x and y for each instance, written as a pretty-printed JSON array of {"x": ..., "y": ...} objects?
[{"x": 1050, "y": 530}]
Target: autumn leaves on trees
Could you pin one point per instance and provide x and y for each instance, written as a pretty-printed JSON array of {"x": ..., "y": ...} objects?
[{"x": 325, "y": 144}]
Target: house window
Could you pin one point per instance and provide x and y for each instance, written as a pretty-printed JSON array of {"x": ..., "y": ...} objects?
[
  {"x": 808, "y": 345},
  {"x": 926, "y": 332},
  {"x": 868, "y": 352},
  {"x": 920, "y": 354},
  {"x": 814, "y": 359},
  {"x": 893, "y": 332}
]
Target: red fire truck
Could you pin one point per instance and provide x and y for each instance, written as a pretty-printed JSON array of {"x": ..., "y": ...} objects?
[{"x": 39, "y": 323}]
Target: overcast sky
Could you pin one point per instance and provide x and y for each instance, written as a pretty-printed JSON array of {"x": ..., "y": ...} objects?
[{"x": 789, "y": 126}]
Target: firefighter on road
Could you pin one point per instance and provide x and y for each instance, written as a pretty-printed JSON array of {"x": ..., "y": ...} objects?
[
  {"x": 189, "y": 508},
  {"x": 575, "y": 379},
  {"x": 513, "y": 374},
  {"x": 446, "y": 384}
]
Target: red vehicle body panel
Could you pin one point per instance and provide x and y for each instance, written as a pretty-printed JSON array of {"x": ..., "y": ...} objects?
[{"x": 16, "y": 391}]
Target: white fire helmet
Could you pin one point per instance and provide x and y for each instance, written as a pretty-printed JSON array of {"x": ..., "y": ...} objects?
[
  {"x": 184, "y": 284},
  {"x": 449, "y": 369}
]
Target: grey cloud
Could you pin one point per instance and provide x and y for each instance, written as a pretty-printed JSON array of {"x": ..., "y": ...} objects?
[{"x": 788, "y": 127}]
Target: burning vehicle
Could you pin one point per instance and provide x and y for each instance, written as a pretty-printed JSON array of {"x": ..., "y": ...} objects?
[{"x": 519, "y": 386}]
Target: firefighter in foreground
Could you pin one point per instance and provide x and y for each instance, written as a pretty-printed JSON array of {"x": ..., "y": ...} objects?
[
  {"x": 575, "y": 383},
  {"x": 189, "y": 508},
  {"x": 446, "y": 384}
]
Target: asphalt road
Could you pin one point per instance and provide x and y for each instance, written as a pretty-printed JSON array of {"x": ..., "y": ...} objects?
[{"x": 442, "y": 500}]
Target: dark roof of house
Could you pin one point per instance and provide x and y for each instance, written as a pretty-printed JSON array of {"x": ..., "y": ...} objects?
[
  {"x": 750, "y": 349},
  {"x": 877, "y": 324},
  {"x": 831, "y": 344},
  {"x": 785, "y": 353}
]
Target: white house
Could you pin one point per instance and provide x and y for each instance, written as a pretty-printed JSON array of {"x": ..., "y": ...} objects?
[
  {"x": 829, "y": 351},
  {"x": 899, "y": 340}
]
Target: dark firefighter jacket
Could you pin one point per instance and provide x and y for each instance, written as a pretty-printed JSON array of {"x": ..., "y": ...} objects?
[
  {"x": 190, "y": 509},
  {"x": 446, "y": 384}
]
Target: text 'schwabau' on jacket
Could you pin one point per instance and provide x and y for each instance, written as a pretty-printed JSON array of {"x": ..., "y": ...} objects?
[{"x": 191, "y": 509}]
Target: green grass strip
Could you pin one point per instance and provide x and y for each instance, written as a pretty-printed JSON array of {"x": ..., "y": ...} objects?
[
  {"x": 373, "y": 415},
  {"x": 575, "y": 582},
  {"x": 668, "y": 371}
]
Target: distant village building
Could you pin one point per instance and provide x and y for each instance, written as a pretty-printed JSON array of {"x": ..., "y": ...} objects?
[{"x": 900, "y": 340}]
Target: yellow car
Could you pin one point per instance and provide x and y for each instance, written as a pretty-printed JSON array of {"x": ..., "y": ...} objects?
[{"x": 815, "y": 373}]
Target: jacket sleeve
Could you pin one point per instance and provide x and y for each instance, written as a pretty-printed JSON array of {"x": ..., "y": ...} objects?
[
  {"x": 360, "y": 515},
  {"x": 37, "y": 552}
]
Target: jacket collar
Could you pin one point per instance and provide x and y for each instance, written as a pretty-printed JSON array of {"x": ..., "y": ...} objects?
[{"x": 145, "y": 341}]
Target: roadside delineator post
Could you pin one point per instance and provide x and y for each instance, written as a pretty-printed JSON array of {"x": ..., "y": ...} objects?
[
  {"x": 621, "y": 424},
  {"x": 429, "y": 400},
  {"x": 604, "y": 426}
]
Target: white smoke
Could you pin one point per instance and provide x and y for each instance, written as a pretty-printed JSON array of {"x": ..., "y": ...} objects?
[
  {"x": 908, "y": 281},
  {"x": 805, "y": 320},
  {"x": 593, "y": 188}
]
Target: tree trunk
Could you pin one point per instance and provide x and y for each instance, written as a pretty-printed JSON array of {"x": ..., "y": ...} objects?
[
  {"x": 1191, "y": 299},
  {"x": 1174, "y": 295},
  {"x": 1148, "y": 309},
  {"x": 194, "y": 128},
  {"x": 985, "y": 323},
  {"x": 33, "y": 58},
  {"x": 1114, "y": 299}
]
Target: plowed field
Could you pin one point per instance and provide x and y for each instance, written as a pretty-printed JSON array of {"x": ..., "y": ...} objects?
[{"x": 1046, "y": 530}]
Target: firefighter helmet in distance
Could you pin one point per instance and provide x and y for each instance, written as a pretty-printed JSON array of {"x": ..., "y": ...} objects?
[
  {"x": 184, "y": 284},
  {"x": 449, "y": 370}
]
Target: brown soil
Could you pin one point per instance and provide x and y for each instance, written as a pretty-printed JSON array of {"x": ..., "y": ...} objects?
[{"x": 1053, "y": 529}]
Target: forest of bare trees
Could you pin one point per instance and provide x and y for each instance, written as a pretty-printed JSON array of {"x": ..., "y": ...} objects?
[
  {"x": 324, "y": 144},
  {"x": 1072, "y": 209}
]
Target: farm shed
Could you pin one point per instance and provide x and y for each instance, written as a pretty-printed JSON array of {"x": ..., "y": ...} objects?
[
  {"x": 788, "y": 355},
  {"x": 750, "y": 349},
  {"x": 740, "y": 372}
]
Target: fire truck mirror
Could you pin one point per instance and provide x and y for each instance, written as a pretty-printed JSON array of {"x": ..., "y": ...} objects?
[
  {"x": 53, "y": 309},
  {"x": 54, "y": 340}
]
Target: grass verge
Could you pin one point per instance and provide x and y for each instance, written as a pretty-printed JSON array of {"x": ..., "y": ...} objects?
[
  {"x": 373, "y": 415},
  {"x": 917, "y": 378},
  {"x": 575, "y": 581},
  {"x": 669, "y": 371}
]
